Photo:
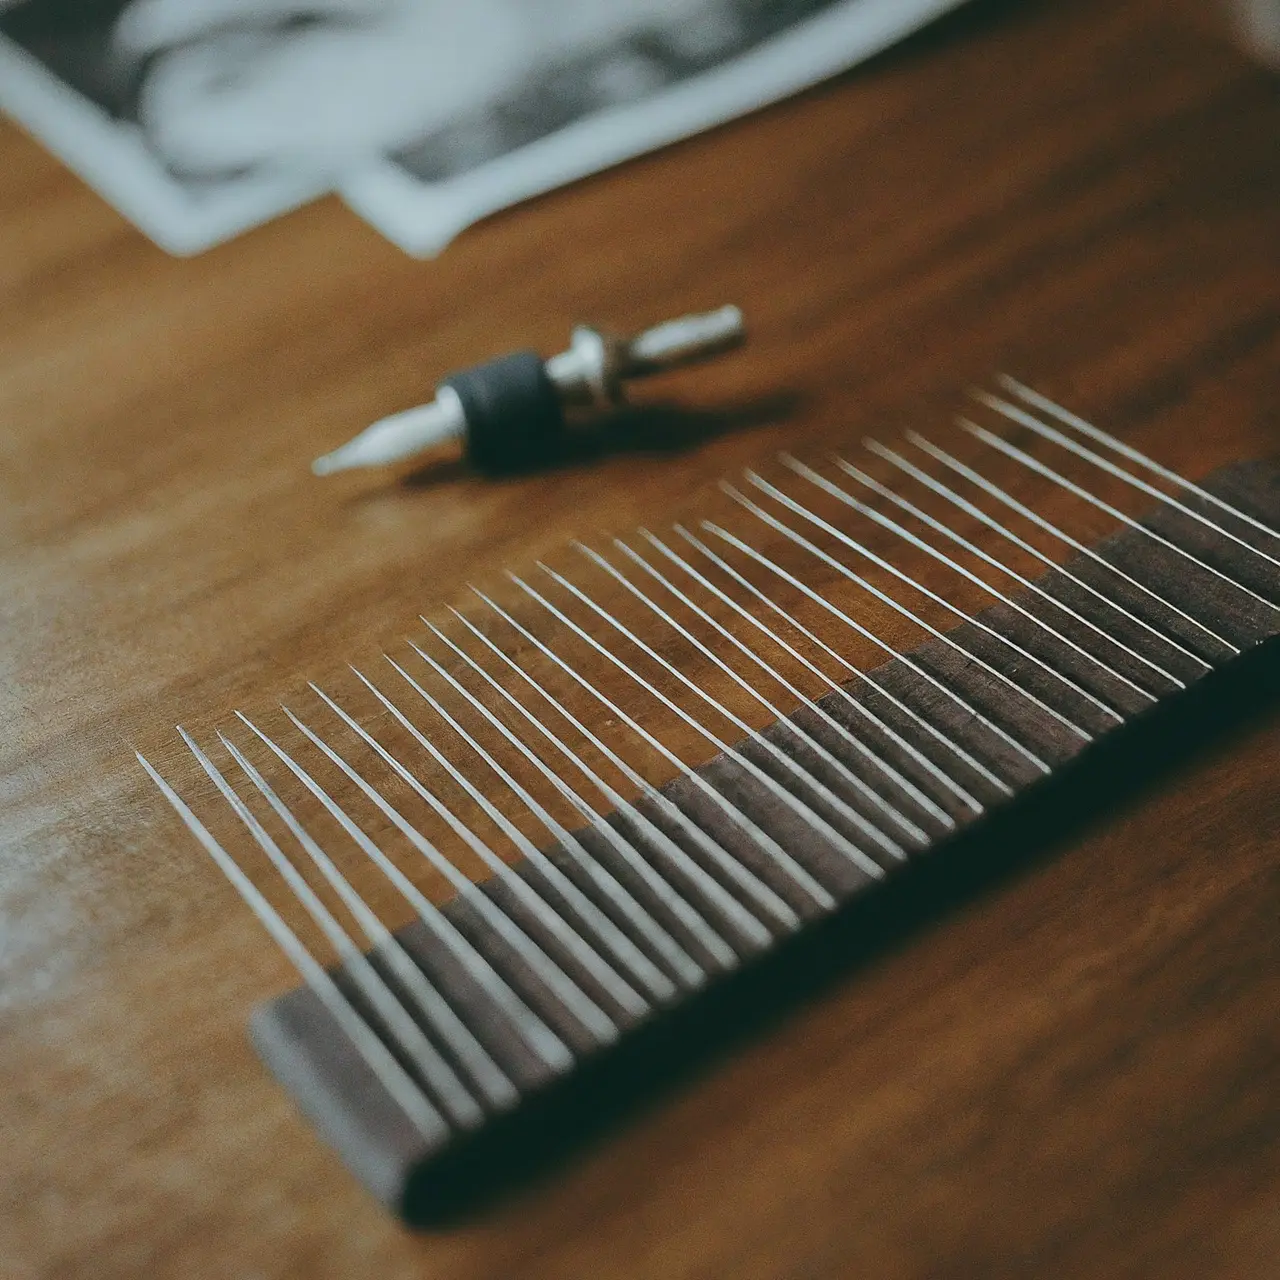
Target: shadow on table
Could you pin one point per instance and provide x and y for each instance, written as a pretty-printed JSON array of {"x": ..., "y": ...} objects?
[
  {"x": 660, "y": 428},
  {"x": 622, "y": 1084}
]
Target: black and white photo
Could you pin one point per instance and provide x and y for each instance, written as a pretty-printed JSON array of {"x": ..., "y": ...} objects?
[
  {"x": 198, "y": 118},
  {"x": 69, "y": 77}
]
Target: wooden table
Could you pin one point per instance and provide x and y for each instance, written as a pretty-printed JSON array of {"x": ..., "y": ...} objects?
[{"x": 1075, "y": 1074}]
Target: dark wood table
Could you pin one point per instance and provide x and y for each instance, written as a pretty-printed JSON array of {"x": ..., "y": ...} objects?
[{"x": 1075, "y": 1073}]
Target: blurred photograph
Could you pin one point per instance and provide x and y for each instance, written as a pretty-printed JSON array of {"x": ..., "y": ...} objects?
[
  {"x": 674, "y": 69},
  {"x": 200, "y": 117},
  {"x": 67, "y": 77}
]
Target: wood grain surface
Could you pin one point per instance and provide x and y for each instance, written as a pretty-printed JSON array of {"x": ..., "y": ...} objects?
[{"x": 1073, "y": 1074}]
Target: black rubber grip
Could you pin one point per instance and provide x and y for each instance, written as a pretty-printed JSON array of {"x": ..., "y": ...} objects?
[{"x": 514, "y": 418}]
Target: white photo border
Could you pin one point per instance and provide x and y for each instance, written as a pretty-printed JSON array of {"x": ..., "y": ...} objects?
[
  {"x": 422, "y": 218},
  {"x": 120, "y": 168}
]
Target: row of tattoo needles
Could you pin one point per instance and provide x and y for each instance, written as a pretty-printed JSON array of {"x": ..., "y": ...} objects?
[{"x": 663, "y": 915}]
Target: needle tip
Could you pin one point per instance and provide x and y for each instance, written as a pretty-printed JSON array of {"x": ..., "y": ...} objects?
[{"x": 397, "y": 438}]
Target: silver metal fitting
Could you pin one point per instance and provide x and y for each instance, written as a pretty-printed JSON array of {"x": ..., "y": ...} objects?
[
  {"x": 591, "y": 375},
  {"x": 594, "y": 369}
]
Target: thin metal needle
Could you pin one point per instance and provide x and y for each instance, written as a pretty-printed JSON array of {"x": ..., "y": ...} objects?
[
  {"x": 798, "y": 873},
  {"x": 773, "y": 522},
  {"x": 969, "y": 508},
  {"x": 1046, "y": 432},
  {"x": 1033, "y": 464},
  {"x": 1076, "y": 545},
  {"x": 451, "y": 1094},
  {"x": 854, "y": 545},
  {"x": 870, "y": 794},
  {"x": 1046, "y": 405},
  {"x": 586, "y": 912},
  {"x": 804, "y": 812},
  {"x": 492, "y": 1082},
  {"x": 552, "y": 975},
  {"x": 889, "y": 845},
  {"x": 968, "y": 708},
  {"x": 610, "y": 936},
  {"x": 658, "y": 983},
  {"x": 884, "y": 491},
  {"x": 1005, "y": 789},
  {"x": 390, "y": 1074},
  {"x": 676, "y": 857},
  {"x": 865, "y": 712},
  {"x": 760, "y": 894},
  {"x": 537, "y": 1036},
  {"x": 868, "y": 828},
  {"x": 782, "y": 719},
  {"x": 663, "y": 890}
]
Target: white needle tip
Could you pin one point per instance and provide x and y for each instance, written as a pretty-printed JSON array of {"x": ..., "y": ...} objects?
[{"x": 395, "y": 438}]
